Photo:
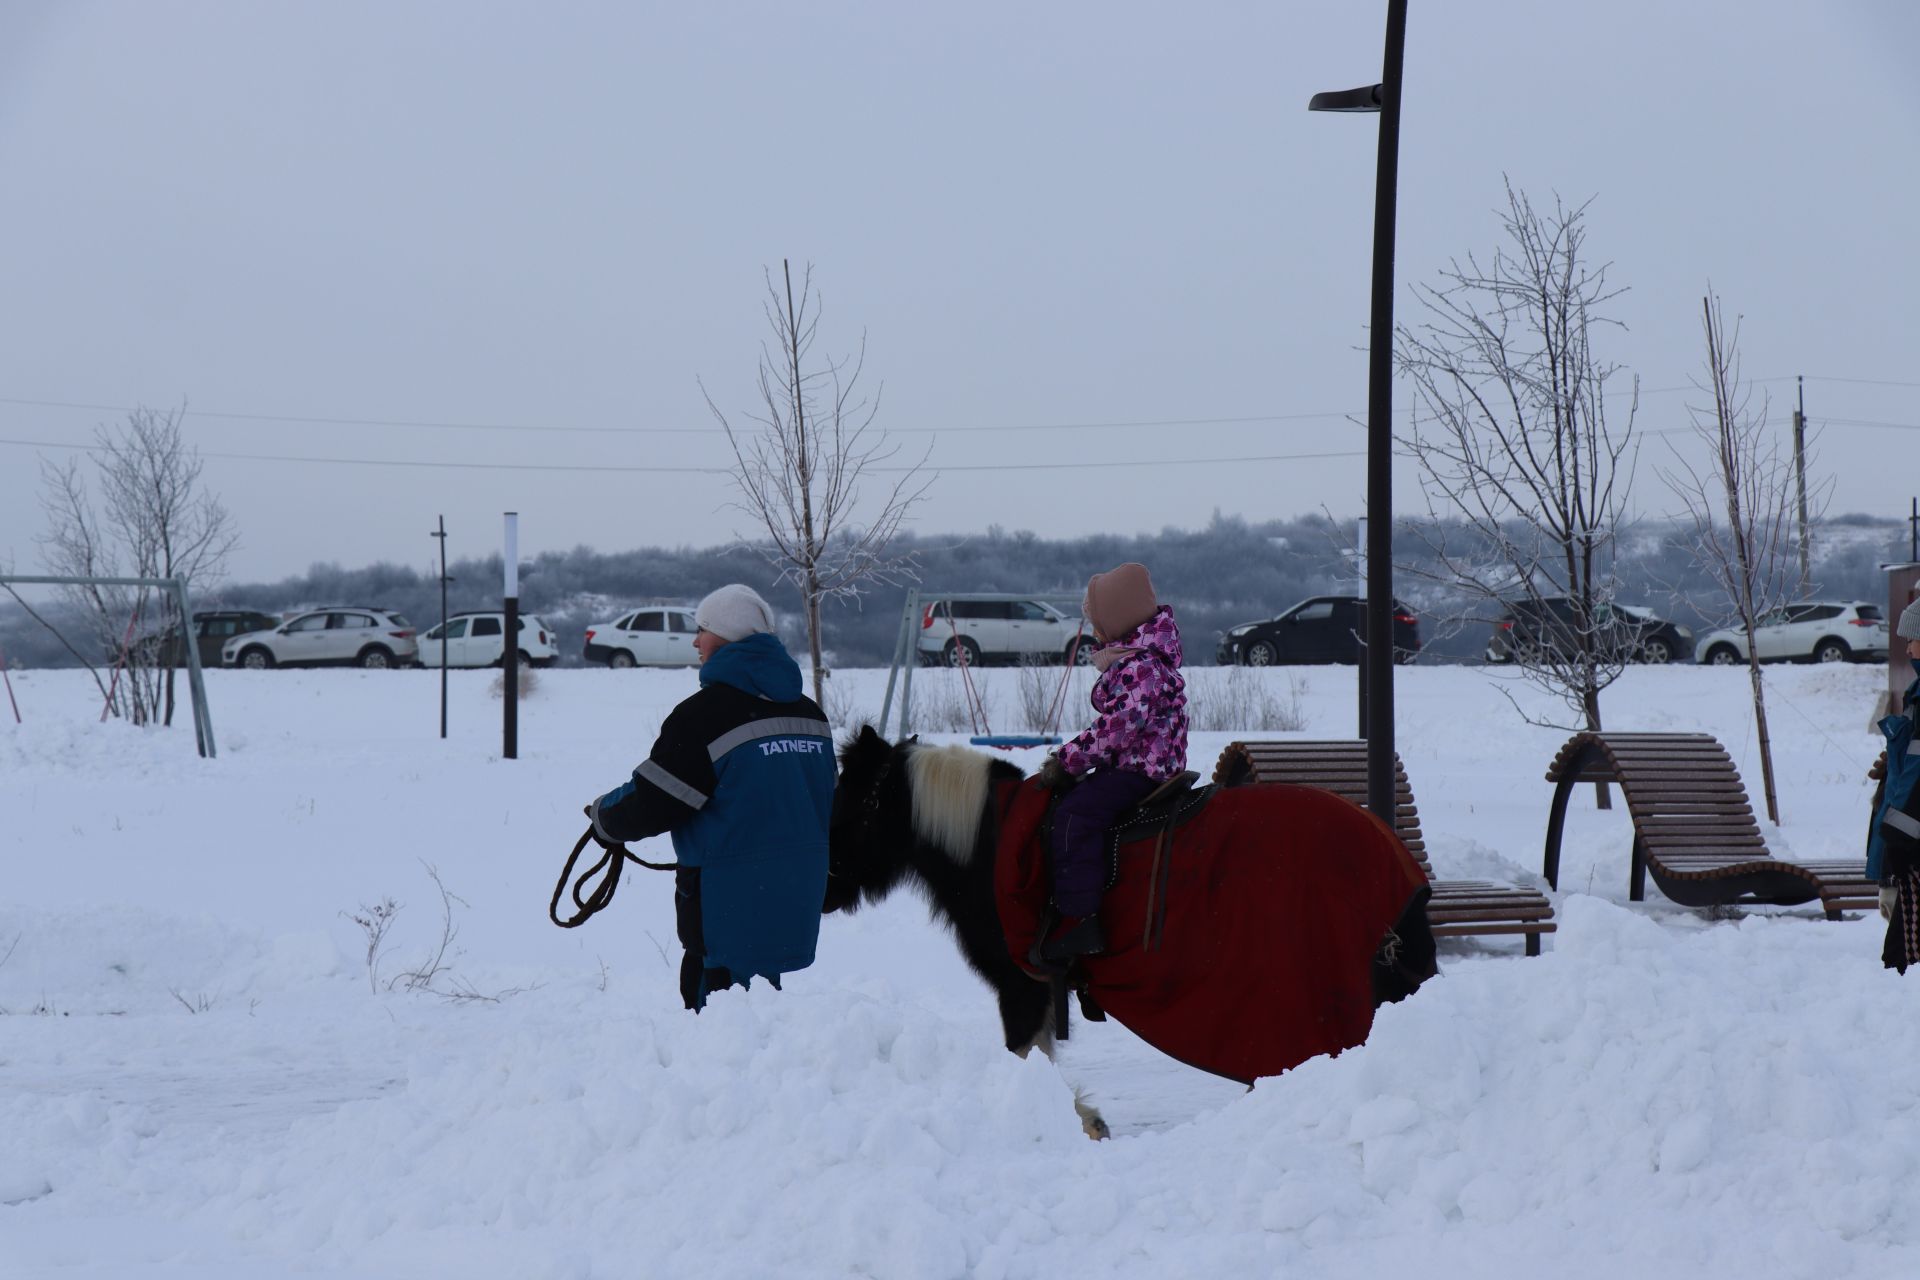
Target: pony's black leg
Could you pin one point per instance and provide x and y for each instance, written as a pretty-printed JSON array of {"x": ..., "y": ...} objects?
[{"x": 1025, "y": 1012}]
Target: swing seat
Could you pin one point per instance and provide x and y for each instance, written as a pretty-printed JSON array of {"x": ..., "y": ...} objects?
[{"x": 1007, "y": 740}]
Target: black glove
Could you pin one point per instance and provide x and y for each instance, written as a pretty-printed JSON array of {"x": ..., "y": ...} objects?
[
  {"x": 1053, "y": 775},
  {"x": 594, "y": 828}
]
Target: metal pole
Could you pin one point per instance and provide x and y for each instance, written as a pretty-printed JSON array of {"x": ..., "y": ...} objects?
[
  {"x": 1360, "y": 667},
  {"x": 1380, "y": 755},
  {"x": 1800, "y": 480},
  {"x": 442, "y": 536},
  {"x": 510, "y": 657},
  {"x": 906, "y": 676},
  {"x": 196, "y": 682},
  {"x": 900, "y": 639}
]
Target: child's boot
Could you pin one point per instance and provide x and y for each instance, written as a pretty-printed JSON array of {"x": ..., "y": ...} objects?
[{"x": 1084, "y": 937}]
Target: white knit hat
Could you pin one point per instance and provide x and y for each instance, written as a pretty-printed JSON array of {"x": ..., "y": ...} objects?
[
  {"x": 734, "y": 612},
  {"x": 1908, "y": 628}
]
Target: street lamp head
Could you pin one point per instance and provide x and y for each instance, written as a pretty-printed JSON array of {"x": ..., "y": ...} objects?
[{"x": 1365, "y": 98}]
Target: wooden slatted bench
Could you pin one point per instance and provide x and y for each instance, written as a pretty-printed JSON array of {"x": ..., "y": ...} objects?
[
  {"x": 1458, "y": 907},
  {"x": 1693, "y": 827}
]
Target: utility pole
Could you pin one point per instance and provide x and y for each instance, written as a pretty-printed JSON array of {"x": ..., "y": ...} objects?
[
  {"x": 444, "y": 580},
  {"x": 1800, "y": 481},
  {"x": 1913, "y": 533},
  {"x": 510, "y": 659}
]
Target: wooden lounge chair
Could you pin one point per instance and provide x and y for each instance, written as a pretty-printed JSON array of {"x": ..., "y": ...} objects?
[
  {"x": 1693, "y": 827},
  {"x": 1458, "y": 907}
]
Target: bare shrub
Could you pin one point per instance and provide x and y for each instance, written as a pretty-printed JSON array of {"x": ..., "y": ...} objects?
[
  {"x": 529, "y": 683},
  {"x": 1040, "y": 693},
  {"x": 374, "y": 921},
  {"x": 1239, "y": 699},
  {"x": 940, "y": 701},
  {"x": 434, "y": 974},
  {"x": 837, "y": 702}
]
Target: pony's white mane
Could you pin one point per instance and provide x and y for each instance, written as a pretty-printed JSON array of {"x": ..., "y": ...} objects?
[{"x": 949, "y": 795}]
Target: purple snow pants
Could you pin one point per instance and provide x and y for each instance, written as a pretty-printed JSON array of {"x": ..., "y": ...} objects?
[{"x": 1080, "y": 831}]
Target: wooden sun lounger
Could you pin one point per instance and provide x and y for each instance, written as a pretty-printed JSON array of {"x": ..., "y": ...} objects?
[
  {"x": 1458, "y": 907},
  {"x": 1693, "y": 827}
]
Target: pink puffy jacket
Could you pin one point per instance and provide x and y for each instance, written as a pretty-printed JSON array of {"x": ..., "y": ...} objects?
[{"x": 1142, "y": 701}]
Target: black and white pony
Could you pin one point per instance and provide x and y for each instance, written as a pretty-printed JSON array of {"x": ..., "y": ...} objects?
[{"x": 941, "y": 798}]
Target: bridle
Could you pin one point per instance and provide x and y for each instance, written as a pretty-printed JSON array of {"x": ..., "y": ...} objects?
[{"x": 869, "y": 806}]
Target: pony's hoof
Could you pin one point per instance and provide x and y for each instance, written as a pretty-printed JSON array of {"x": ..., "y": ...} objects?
[{"x": 1092, "y": 1123}]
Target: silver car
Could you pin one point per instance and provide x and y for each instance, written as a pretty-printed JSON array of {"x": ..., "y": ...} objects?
[{"x": 354, "y": 636}]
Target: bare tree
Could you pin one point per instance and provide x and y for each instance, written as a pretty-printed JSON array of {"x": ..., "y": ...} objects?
[
  {"x": 1524, "y": 475},
  {"x": 799, "y": 472},
  {"x": 1741, "y": 504},
  {"x": 154, "y": 519}
]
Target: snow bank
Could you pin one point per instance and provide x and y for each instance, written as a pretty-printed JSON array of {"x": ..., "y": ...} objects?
[{"x": 199, "y": 1077}]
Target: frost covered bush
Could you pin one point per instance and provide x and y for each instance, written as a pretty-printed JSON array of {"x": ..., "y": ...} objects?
[
  {"x": 1040, "y": 693},
  {"x": 529, "y": 684},
  {"x": 940, "y": 701},
  {"x": 1243, "y": 698}
]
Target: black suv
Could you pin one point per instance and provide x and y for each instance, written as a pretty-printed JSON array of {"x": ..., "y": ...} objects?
[
  {"x": 1532, "y": 630},
  {"x": 1318, "y": 629},
  {"x": 211, "y": 630}
]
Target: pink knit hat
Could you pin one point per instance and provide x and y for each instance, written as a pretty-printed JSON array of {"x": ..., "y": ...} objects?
[{"x": 1119, "y": 600}]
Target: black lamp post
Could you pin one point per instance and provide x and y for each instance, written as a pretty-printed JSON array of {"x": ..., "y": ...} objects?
[{"x": 1383, "y": 98}]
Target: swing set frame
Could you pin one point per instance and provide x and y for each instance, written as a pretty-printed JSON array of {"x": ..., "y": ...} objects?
[
  {"x": 906, "y": 656},
  {"x": 177, "y": 587}
]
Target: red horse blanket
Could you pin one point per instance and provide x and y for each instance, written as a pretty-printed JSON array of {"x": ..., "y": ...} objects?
[{"x": 1242, "y": 944}]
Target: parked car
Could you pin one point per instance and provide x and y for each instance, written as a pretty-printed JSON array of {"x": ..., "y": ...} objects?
[
  {"x": 1532, "y": 630},
  {"x": 1318, "y": 629},
  {"x": 212, "y": 628},
  {"x": 474, "y": 640},
  {"x": 357, "y": 636},
  {"x": 1812, "y": 631},
  {"x": 656, "y": 636},
  {"x": 973, "y": 632}
]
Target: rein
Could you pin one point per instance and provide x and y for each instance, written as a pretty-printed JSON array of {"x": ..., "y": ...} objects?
[{"x": 593, "y": 902}]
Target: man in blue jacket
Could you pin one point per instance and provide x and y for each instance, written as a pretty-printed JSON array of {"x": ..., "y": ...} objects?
[
  {"x": 742, "y": 775},
  {"x": 1893, "y": 839}
]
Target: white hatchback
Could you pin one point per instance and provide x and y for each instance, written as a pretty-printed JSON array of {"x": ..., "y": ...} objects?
[
  {"x": 1812, "y": 631},
  {"x": 474, "y": 640},
  {"x": 657, "y": 636}
]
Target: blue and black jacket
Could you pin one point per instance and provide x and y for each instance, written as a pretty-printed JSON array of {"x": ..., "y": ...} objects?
[
  {"x": 1893, "y": 842},
  {"x": 743, "y": 776}
]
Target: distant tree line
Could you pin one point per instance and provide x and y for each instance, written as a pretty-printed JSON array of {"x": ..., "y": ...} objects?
[{"x": 1230, "y": 571}]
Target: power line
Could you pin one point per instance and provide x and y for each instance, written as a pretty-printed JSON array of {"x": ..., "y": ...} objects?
[
  {"x": 540, "y": 427},
  {"x": 545, "y": 428},
  {"x": 712, "y": 471}
]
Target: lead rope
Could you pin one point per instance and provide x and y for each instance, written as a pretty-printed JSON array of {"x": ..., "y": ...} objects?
[{"x": 592, "y": 903}]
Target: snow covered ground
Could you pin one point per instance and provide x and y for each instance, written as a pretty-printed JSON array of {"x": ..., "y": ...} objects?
[{"x": 200, "y": 1077}]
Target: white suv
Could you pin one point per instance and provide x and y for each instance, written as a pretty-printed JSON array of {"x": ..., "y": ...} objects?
[
  {"x": 1812, "y": 631},
  {"x": 976, "y": 631},
  {"x": 473, "y": 640},
  {"x": 657, "y": 636},
  {"x": 354, "y": 636}
]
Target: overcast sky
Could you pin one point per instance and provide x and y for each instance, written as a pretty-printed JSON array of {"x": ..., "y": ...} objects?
[{"x": 1038, "y": 216}]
